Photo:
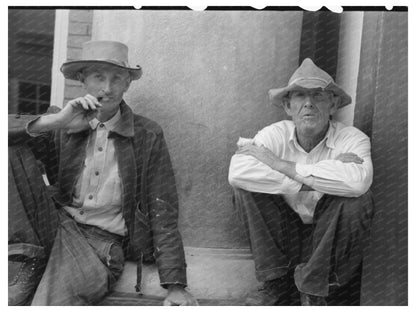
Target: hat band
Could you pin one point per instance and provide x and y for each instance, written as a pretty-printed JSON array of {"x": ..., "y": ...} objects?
[
  {"x": 326, "y": 82},
  {"x": 112, "y": 61}
]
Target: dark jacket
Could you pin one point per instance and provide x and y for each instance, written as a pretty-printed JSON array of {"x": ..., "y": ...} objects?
[{"x": 149, "y": 196}]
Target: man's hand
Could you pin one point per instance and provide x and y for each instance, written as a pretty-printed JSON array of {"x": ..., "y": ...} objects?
[
  {"x": 261, "y": 154},
  {"x": 178, "y": 296},
  {"x": 78, "y": 112},
  {"x": 349, "y": 157},
  {"x": 74, "y": 116}
]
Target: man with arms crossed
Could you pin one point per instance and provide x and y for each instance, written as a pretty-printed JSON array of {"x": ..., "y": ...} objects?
[{"x": 308, "y": 170}]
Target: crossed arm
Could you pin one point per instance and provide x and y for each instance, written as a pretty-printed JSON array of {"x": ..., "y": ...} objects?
[{"x": 257, "y": 169}]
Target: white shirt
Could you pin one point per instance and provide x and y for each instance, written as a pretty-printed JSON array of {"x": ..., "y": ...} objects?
[
  {"x": 97, "y": 194},
  {"x": 317, "y": 169}
]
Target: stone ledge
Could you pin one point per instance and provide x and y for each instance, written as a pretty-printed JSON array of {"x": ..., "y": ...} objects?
[{"x": 217, "y": 274}]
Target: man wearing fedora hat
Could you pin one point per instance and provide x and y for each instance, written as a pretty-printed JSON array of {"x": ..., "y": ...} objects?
[
  {"x": 114, "y": 186},
  {"x": 309, "y": 172}
]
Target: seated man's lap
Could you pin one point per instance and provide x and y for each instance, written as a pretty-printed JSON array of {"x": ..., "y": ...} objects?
[{"x": 80, "y": 271}]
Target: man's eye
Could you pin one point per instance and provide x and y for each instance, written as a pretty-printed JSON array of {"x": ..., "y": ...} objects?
[
  {"x": 318, "y": 94},
  {"x": 298, "y": 94}
]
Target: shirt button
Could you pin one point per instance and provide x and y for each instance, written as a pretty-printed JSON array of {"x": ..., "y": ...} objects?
[
  {"x": 97, "y": 173},
  {"x": 100, "y": 149},
  {"x": 90, "y": 197},
  {"x": 81, "y": 212}
]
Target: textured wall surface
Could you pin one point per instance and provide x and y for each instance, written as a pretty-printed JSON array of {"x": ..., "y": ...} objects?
[
  {"x": 381, "y": 111},
  {"x": 205, "y": 81},
  {"x": 79, "y": 31}
]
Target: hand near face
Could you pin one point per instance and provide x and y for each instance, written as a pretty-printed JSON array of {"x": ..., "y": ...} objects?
[
  {"x": 78, "y": 112},
  {"x": 178, "y": 296}
]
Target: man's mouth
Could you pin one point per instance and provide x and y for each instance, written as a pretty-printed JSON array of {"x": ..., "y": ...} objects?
[{"x": 103, "y": 98}]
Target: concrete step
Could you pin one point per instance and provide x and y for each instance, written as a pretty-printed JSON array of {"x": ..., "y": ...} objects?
[{"x": 215, "y": 277}]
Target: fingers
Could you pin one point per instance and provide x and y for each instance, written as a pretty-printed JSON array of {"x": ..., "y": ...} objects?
[
  {"x": 349, "y": 157},
  {"x": 87, "y": 102},
  {"x": 167, "y": 303}
]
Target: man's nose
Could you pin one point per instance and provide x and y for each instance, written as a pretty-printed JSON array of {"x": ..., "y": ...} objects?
[
  {"x": 308, "y": 101},
  {"x": 106, "y": 87}
]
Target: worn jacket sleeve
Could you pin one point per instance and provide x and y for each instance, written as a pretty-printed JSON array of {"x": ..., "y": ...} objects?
[
  {"x": 43, "y": 146},
  {"x": 163, "y": 209}
]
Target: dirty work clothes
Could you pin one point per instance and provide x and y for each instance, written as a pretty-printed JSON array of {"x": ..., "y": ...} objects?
[
  {"x": 149, "y": 198},
  {"x": 84, "y": 264},
  {"x": 33, "y": 219},
  {"x": 275, "y": 233},
  {"x": 32, "y": 224}
]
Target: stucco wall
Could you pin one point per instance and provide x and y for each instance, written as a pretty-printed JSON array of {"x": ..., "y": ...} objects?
[
  {"x": 206, "y": 77},
  {"x": 79, "y": 31},
  {"x": 348, "y": 61}
]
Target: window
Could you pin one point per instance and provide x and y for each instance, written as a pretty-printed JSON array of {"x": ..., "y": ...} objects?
[{"x": 33, "y": 98}]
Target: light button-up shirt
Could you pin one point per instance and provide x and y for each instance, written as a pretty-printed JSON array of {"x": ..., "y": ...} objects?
[
  {"x": 317, "y": 169},
  {"x": 97, "y": 193}
]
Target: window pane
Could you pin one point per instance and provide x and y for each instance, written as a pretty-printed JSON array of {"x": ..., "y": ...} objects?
[
  {"x": 27, "y": 107},
  {"x": 27, "y": 90},
  {"x": 45, "y": 93},
  {"x": 43, "y": 107}
]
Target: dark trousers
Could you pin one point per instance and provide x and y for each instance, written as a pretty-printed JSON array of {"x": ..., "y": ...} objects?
[
  {"x": 33, "y": 219},
  {"x": 276, "y": 235}
]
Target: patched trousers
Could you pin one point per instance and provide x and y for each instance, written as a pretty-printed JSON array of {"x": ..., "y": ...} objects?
[
  {"x": 84, "y": 264},
  {"x": 276, "y": 235}
]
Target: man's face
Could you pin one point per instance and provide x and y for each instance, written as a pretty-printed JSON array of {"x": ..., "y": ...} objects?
[
  {"x": 107, "y": 83},
  {"x": 310, "y": 109}
]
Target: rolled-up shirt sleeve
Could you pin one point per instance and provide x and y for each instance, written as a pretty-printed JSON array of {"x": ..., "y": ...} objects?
[
  {"x": 250, "y": 174},
  {"x": 338, "y": 178}
]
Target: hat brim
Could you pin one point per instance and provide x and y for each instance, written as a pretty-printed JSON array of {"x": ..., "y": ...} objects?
[
  {"x": 277, "y": 95},
  {"x": 72, "y": 68}
]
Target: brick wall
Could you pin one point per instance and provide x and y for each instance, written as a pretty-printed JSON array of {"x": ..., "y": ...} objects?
[{"x": 79, "y": 31}]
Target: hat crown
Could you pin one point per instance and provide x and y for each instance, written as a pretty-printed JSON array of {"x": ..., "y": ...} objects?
[
  {"x": 105, "y": 50},
  {"x": 309, "y": 71}
]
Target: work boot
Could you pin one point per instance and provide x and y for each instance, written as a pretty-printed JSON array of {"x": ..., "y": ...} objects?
[
  {"x": 312, "y": 300},
  {"x": 24, "y": 276},
  {"x": 273, "y": 292}
]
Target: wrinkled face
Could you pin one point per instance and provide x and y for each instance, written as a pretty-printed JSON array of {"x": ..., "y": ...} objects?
[
  {"x": 310, "y": 109},
  {"x": 107, "y": 83}
]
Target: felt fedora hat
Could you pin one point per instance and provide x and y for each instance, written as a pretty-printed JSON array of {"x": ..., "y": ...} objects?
[
  {"x": 101, "y": 52},
  {"x": 310, "y": 76}
]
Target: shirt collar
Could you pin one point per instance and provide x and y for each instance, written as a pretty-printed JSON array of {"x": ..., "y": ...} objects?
[
  {"x": 109, "y": 124},
  {"x": 121, "y": 123},
  {"x": 329, "y": 136}
]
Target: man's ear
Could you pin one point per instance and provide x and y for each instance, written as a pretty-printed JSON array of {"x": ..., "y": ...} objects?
[
  {"x": 127, "y": 85},
  {"x": 336, "y": 100},
  {"x": 81, "y": 78},
  {"x": 286, "y": 105}
]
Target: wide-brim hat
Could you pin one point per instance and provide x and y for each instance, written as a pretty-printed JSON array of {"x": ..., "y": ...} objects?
[
  {"x": 101, "y": 52},
  {"x": 310, "y": 76}
]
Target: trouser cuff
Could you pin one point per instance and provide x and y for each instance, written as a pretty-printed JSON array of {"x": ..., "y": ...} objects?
[
  {"x": 313, "y": 286},
  {"x": 28, "y": 250},
  {"x": 271, "y": 274}
]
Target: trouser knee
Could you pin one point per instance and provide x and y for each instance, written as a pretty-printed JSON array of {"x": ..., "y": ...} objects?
[{"x": 350, "y": 208}]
